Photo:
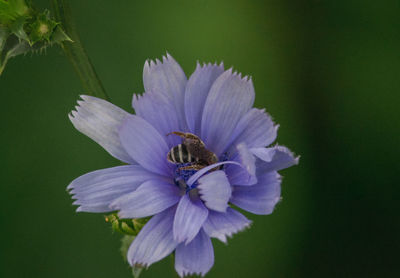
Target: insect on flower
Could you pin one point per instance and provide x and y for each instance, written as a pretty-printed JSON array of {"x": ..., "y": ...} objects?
[
  {"x": 194, "y": 148},
  {"x": 192, "y": 151}
]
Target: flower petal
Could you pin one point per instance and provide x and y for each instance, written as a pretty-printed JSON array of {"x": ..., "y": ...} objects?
[
  {"x": 150, "y": 198},
  {"x": 260, "y": 198},
  {"x": 190, "y": 216},
  {"x": 247, "y": 159},
  {"x": 221, "y": 225},
  {"x": 256, "y": 129},
  {"x": 169, "y": 79},
  {"x": 215, "y": 190},
  {"x": 94, "y": 191},
  {"x": 230, "y": 97},
  {"x": 246, "y": 173},
  {"x": 155, "y": 241},
  {"x": 277, "y": 158},
  {"x": 197, "y": 257},
  {"x": 100, "y": 120},
  {"x": 204, "y": 170},
  {"x": 160, "y": 113},
  {"x": 145, "y": 144},
  {"x": 196, "y": 93}
]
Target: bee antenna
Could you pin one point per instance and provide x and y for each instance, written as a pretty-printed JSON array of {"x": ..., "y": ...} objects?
[{"x": 180, "y": 134}]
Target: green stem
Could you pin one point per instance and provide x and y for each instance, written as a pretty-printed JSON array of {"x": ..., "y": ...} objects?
[{"x": 76, "y": 52}]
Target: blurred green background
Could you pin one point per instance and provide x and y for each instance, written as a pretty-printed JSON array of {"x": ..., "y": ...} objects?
[{"x": 327, "y": 71}]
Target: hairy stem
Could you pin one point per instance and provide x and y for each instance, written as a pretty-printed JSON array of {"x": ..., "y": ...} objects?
[{"x": 76, "y": 52}]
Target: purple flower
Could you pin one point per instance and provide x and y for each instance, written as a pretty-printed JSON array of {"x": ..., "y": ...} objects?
[{"x": 188, "y": 195}]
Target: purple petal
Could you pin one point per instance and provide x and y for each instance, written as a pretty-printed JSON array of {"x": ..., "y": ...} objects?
[
  {"x": 203, "y": 171},
  {"x": 155, "y": 241},
  {"x": 256, "y": 129},
  {"x": 197, "y": 257},
  {"x": 277, "y": 158},
  {"x": 230, "y": 97},
  {"x": 157, "y": 110},
  {"x": 225, "y": 224},
  {"x": 190, "y": 216},
  {"x": 245, "y": 173},
  {"x": 150, "y": 198},
  {"x": 196, "y": 93},
  {"x": 94, "y": 191},
  {"x": 247, "y": 159},
  {"x": 145, "y": 144},
  {"x": 100, "y": 120},
  {"x": 167, "y": 78},
  {"x": 260, "y": 198},
  {"x": 215, "y": 190}
]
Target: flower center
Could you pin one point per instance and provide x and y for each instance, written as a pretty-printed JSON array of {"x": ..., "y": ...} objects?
[
  {"x": 182, "y": 175},
  {"x": 184, "y": 171}
]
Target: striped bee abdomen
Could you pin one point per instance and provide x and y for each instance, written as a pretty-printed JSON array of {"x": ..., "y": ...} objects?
[{"x": 180, "y": 154}]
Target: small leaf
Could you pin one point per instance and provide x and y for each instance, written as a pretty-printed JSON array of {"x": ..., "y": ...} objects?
[
  {"x": 11, "y": 49},
  {"x": 59, "y": 35},
  {"x": 17, "y": 28},
  {"x": 126, "y": 241},
  {"x": 3, "y": 38},
  {"x": 12, "y": 9},
  {"x": 136, "y": 271}
]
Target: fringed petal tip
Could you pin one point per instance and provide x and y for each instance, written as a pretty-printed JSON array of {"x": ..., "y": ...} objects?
[
  {"x": 225, "y": 225},
  {"x": 197, "y": 257},
  {"x": 236, "y": 74},
  {"x": 100, "y": 120},
  {"x": 224, "y": 238},
  {"x": 167, "y": 58},
  {"x": 184, "y": 274},
  {"x": 203, "y": 65}
]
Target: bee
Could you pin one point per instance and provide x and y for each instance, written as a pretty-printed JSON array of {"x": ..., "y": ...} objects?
[{"x": 192, "y": 150}]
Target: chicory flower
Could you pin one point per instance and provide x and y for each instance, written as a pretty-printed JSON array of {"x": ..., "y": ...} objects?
[{"x": 168, "y": 176}]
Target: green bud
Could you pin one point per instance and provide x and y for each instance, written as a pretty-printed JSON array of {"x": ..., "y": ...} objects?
[
  {"x": 126, "y": 226},
  {"x": 24, "y": 29},
  {"x": 42, "y": 28}
]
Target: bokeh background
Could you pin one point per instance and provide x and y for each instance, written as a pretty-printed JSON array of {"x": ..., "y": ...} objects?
[{"x": 328, "y": 72}]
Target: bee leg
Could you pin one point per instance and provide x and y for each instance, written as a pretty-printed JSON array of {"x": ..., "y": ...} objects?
[{"x": 192, "y": 167}]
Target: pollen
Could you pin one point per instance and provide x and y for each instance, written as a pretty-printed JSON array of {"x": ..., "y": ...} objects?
[{"x": 43, "y": 28}]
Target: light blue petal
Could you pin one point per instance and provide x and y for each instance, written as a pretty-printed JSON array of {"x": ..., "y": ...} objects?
[
  {"x": 190, "y": 216},
  {"x": 160, "y": 113},
  {"x": 256, "y": 129},
  {"x": 150, "y": 198},
  {"x": 145, "y": 144},
  {"x": 155, "y": 241},
  {"x": 277, "y": 158},
  {"x": 167, "y": 78},
  {"x": 247, "y": 159},
  {"x": 225, "y": 224},
  {"x": 215, "y": 190},
  {"x": 207, "y": 169},
  {"x": 197, "y": 257},
  {"x": 245, "y": 173},
  {"x": 196, "y": 93},
  {"x": 95, "y": 191},
  {"x": 230, "y": 97},
  {"x": 100, "y": 120},
  {"x": 260, "y": 198}
]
